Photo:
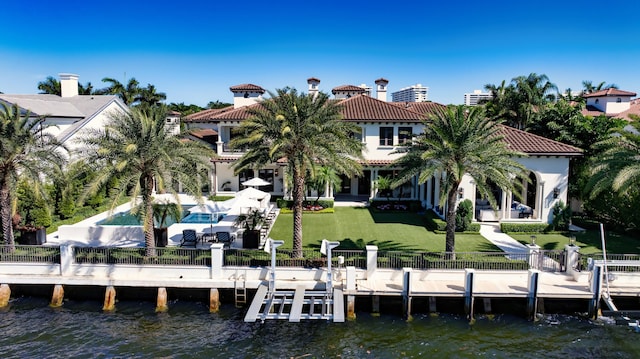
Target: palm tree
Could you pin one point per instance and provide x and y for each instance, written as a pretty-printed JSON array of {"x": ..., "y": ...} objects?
[
  {"x": 127, "y": 94},
  {"x": 460, "y": 141},
  {"x": 303, "y": 130},
  {"x": 27, "y": 151},
  {"x": 135, "y": 149},
  {"x": 617, "y": 166},
  {"x": 149, "y": 96},
  {"x": 50, "y": 86},
  {"x": 588, "y": 87},
  {"x": 323, "y": 176}
]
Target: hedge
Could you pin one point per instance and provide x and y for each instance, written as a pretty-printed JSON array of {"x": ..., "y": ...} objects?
[
  {"x": 288, "y": 203},
  {"x": 524, "y": 227},
  {"x": 437, "y": 225}
]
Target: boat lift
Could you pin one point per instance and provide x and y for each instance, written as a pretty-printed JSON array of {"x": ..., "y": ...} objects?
[{"x": 298, "y": 304}]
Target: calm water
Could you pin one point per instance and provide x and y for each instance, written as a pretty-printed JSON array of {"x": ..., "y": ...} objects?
[{"x": 30, "y": 329}]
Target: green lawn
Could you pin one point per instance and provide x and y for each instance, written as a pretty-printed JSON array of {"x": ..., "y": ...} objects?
[
  {"x": 589, "y": 242},
  {"x": 357, "y": 227}
]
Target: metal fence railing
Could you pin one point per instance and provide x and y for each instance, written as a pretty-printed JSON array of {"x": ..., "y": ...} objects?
[
  {"x": 549, "y": 260},
  {"x": 615, "y": 262},
  {"x": 460, "y": 260},
  {"x": 30, "y": 254},
  {"x": 163, "y": 256}
]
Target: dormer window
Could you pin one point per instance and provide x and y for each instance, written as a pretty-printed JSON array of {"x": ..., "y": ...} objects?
[{"x": 618, "y": 100}]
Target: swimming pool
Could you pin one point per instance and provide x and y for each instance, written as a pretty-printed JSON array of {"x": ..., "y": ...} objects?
[{"x": 128, "y": 219}]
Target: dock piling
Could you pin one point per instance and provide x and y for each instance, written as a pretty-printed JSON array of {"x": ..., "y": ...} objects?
[
  {"x": 58, "y": 296},
  {"x": 109, "y": 299},
  {"x": 468, "y": 292},
  {"x": 214, "y": 300},
  {"x": 161, "y": 303},
  {"x": 5, "y": 295},
  {"x": 532, "y": 295}
]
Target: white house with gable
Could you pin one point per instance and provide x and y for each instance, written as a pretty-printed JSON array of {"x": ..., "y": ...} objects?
[{"x": 69, "y": 114}]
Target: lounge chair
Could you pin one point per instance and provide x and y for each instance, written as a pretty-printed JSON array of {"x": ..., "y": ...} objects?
[
  {"x": 225, "y": 237},
  {"x": 189, "y": 238}
]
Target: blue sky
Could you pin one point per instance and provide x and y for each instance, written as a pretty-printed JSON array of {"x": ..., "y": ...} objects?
[{"x": 195, "y": 50}]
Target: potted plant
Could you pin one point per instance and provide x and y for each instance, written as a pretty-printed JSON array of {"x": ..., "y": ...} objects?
[
  {"x": 161, "y": 212},
  {"x": 251, "y": 223},
  {"x": 383, "y": 184}
]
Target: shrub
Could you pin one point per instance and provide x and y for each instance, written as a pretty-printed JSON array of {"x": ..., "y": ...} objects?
[
  {"x": 288, "y": 203},
  {"x": 464, "y": 215},
  {"x": 524, "y": 227},
  {"x": 561, "y": 216}
]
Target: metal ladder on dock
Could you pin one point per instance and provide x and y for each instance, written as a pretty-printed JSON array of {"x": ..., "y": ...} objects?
[{"x": 240, "y": 291}]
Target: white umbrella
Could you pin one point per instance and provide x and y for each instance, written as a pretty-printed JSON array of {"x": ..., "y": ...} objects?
[
  {"x": 256, "y": 181},
  {"x": 243, "y": 204}
]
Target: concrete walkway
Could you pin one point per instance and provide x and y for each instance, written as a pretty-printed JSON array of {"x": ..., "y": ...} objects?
[{"x": 491, "y": 231}]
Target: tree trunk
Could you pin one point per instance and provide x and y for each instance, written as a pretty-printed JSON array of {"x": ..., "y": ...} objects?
[
  {"x": 298, "y": 198},
  {"x": 5, "y": 214},
  {"x": 450, "y": 245},
  {"x": 147, "y": 203}
]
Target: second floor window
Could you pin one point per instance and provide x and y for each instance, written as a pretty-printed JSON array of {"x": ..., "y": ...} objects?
[
  {"x": 386, "y": 136},
  {"x": 404, "y": 135}
]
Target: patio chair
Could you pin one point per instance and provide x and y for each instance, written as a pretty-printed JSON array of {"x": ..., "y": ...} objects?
[
  {"x": 225, "y": 237},
  {"x": 189, "y": 238}
]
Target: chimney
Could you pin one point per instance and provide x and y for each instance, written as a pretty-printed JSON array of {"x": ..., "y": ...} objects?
[
  {"x": 68, "y": 85},
  {"x": 313, "y": 86},
  {"x": 246, "y": 94},
  {"x": 381, "y": 89}
]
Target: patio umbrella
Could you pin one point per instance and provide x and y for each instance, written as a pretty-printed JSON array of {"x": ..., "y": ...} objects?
[{"x": 256, "y": 181}]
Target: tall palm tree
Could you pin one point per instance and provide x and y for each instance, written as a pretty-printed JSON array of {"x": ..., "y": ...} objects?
[
  {"x": 127, "y": 93},
  {"x": 28, "y": 151},
  {"x": 617, "y": 166},
  {"x": 149, "y": 96},
  {"x": 460, "y": 141},
  {"x": 137, "y": 150},
  {"x": 50, "y": 86},
  {"x": 588, "y": 87},
  {"x": 303, "y": 130}
]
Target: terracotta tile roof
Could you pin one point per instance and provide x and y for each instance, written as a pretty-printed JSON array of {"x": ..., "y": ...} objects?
[
  {"x": 204, "y": 132},
  {"x": 349, "y": 88},
  {"x": 609, "y": 92},
  {"x": 381, "y": 80},
  {"x": 424, "y": 108},
  {"x": 236, "y": 114},
  {"x": 365, "y": 108},
  {"x": 207, "y": 115},
  {"x": 376, "y": 162},
  {"x": 536, "y": 145},
  {"x": 225, "y": 159},
  {"x": 313, "y": 79},
  {"x": 247, "y": 87}
]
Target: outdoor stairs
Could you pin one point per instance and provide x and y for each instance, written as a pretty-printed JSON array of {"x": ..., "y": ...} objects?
[{"x": 266, "y": 227}]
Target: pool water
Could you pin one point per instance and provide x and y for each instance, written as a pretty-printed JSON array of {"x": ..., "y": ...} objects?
[{"x": 128, "y": 219}]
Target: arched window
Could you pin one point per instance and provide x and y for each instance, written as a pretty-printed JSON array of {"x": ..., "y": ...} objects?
[{"x": 618, "y": 100}]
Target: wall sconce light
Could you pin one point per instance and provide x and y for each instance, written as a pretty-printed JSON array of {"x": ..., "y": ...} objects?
[
  {"x": 275, "y": 172},
  {"x": 460, "y": 193},
  {"x": 556, "y": 192}
]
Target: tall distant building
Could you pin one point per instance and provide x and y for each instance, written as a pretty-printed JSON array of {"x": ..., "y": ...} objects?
[
  {"x": 472, "y": 99},
  {"x": 415, "y": 93}
]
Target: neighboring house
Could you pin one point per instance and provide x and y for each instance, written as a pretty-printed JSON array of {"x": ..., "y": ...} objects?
[
  {"x": 70, "y": 114},
  {"x": 384, "y": 126},
  {"x": 611, "y": 102}
]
